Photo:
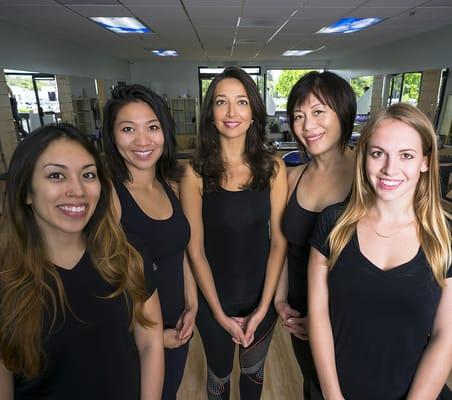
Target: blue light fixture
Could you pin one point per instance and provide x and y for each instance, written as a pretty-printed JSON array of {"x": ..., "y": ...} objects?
[
  {"x": 350, "y": 25},
  {"x": 121, "y": 24},
  {"x": 165, "y": 53}
]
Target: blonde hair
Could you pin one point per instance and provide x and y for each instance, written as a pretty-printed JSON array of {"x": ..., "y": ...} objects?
[{"x": 433, "y": 229}]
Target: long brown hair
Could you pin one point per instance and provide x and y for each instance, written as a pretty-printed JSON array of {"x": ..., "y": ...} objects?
[
  {"x": 30, "y": 285},
  {"x": 433, "y": 230}
]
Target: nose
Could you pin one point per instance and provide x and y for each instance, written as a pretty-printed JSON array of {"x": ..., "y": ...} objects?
[
  {"x": 308, "y": 123},
  {"x": 231, "y": 110},
  {"x": 390, "y": 166},
  {"x": 141, "y": 138},
  {"x": 75, "y": 187}
]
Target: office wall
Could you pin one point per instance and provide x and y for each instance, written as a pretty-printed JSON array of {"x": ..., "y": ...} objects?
[{"x": 30, "y": 51}]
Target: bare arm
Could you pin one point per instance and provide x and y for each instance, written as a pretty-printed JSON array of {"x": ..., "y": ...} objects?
[
  {"x": 320, "y": 331},
  {"x": 191, "y": 198},
  {"x": 278, "y": 246},
  {"x": 149, "y": 343},
  {"x": 6, "y": 383},
  {"x": 436, "y": 363}
]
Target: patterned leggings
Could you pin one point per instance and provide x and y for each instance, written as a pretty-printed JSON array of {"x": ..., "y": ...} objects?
[{"x": 219, "y": 349}]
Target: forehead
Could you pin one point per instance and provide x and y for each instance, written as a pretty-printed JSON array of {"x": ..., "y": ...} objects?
[
  {"x": 309, "y": 101},
  {"x": 394, "y": 134},
  {"x": 230, "y": 87},
  {"x": 136, "y": 109},
  {"x": 66, "y": 152}
]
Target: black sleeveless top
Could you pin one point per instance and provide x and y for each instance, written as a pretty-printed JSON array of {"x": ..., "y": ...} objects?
[
  {"x": 166, "y": 241},
  {"x": 237, "y": 243},
  {"x": 297, "y": 226}
]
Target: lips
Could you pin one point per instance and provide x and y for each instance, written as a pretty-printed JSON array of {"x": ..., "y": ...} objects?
[
  {"x": 142, "y": 154},
  {"x": 389, "y": 184},
  {"x": 231, "y": 124},
  {"x": 313, "y": 138},
  {"x": 73, "y": 210}
]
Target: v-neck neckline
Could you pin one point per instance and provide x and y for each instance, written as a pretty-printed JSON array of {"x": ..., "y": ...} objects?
[{"x": 374, "y": 266}]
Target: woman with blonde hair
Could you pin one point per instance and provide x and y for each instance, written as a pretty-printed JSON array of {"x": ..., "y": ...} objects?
[
  {"x": 379, "y": 282},
  {"x": 79, "y": 315}
]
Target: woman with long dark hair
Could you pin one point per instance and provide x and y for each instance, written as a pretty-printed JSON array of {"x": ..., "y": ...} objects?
[
  {"x": 321, "y": 108},
  {"x": 79, "y": 316},
  {"x": 233, "y": 194},
  {"x": 380, "y": 283},
  {"x": 140, "y": 147}
]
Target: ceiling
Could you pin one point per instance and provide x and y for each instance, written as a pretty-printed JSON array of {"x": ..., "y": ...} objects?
[{"x": 208, "y": 30}]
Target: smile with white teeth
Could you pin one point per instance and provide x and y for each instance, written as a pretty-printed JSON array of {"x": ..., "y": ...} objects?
[
  {"x": 142, "y": 153},
  {"x": 392, "y": 184},
  {"x": 73, "y": 209}
]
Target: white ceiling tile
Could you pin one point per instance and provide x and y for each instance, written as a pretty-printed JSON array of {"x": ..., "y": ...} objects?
[
  {"x": 102, "y": 11},
  {"x": 214, "y": 16},
  {"x": 394, "y": 3},
  {"x": 322, "y": 13},
  {"x": 268, "y": 12},
  {"x": 381, "y": 12}
]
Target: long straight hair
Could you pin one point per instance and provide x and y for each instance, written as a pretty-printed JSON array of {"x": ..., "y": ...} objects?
[
  {"x": 433, "y": 229},
  {"x": 30, "y": 286},
  {"x": 208, "y": 161}
]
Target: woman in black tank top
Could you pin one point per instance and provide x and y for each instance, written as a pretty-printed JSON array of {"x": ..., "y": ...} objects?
[
  {"x": 139, "y": 139},
  {"x": 321, "y": 109},
  {"x": 234, "y": 193}
]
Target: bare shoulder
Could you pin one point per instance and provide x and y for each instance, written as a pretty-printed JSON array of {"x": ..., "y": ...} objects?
[
  {"x": 190, "y": 178},
  {"x": 174, "y": 187},
  {"x": 293, "y": 174}
]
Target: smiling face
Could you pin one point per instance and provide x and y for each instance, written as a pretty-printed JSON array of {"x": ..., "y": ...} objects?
[
  {"x": 232, "y": 113},
  {"x": 394, "y": 161},
  {"x": 64, "y": 189},
  {"x": 138, "y": 136},
  {"x": 317, "y": 126}
]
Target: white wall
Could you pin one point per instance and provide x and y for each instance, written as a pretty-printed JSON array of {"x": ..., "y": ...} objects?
[
  {"x": 82, "y": 87},
  {"x": 25, "y": 50}
]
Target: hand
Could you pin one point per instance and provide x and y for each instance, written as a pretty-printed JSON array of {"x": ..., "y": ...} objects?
[
  {"x": 171, "y": 339},
  {"x": 291, "y": 320},
  {"x": 185, "y": 324},
  {"x": 233, "y": 325},
  {"x": 251, "y": 323}
]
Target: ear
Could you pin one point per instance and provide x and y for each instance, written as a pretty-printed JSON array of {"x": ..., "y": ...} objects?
[{"x": 424, "y": 166}]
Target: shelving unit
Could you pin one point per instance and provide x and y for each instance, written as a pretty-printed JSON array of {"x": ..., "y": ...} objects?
[
  {"x": 84, "y": 118},
  {"x": 185, "y": 112}
]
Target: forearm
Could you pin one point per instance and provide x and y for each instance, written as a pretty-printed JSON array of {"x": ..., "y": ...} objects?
[
  {"x": 190, "y": 290},
  {"x": 273, "y": 272},
  {"x": 6, "y": 384},
  {"x": 282, "y": 288},
  {"x": 322, "y": 347},
  {"x": 152, "y": 372},
  {"x": 433, "y": 370}
]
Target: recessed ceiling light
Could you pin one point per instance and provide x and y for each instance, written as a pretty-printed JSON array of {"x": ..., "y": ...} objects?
[
  {"x": 299, "y": 53},
  {"x": 121, "y": 24},
  {"x": 165, "y": 53},
  {"x": 349, "y": 25}
]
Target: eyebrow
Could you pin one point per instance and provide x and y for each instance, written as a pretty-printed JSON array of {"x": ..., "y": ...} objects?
[
  {"x": 132, "y": 122},
  {"x": 400, "y": 151},
  {"x": 315, "y": 105},
  {"x": 223, "y": 95},
  {"x": 62, "y": 166}
]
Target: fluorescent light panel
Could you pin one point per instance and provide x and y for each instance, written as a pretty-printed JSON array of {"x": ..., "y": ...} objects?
[
  {"x": 165, "y": 53},
  {"x": 299, "y": 53},
  {"x": 121, "y": 24},
  {"x": 350, "y": 25}
]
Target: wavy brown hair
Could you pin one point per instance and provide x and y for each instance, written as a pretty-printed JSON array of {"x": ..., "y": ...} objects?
[
  {"x": 30, "y": 286},
  {"x": 433, "y": 228},
  {"x": 208, "y": 160}
]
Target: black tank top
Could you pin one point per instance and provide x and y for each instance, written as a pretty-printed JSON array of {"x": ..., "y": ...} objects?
[
  {"x": 237, "y": 243},
  {"x": 166, "y": 241},
  {"x": 297, "y": 226}
]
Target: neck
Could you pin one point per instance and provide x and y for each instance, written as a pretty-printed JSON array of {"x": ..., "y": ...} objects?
[
  {"x": 395, "y": 212},
  {"x": 232, "y": 150},
  {"x": 331, "y": 159},
  {"x": 64, "y": 248},
  {"x": 143, "y": 178}
]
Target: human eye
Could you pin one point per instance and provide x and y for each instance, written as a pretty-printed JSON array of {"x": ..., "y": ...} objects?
[
  {"x": 220, "y": 102},
  {"x": 407, "y": 156},
  {"x": 318, "y": 112},
  {"x": 154, "y": 127},
  {"x": 376, "y": 153},
  {"x": 127, "y": 129},
  {"x": 91, "y": 176},
  {"x": 55, "y": 176},
  {"x": 243, "y": 102},
  {"x": 298, "y": 117}
]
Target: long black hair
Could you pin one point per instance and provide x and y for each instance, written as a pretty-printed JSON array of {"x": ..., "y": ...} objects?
[
  {"x": 208, "y": 161},
  {"x": 166, "y": 167},
  {"x": 331, "y": 90}
]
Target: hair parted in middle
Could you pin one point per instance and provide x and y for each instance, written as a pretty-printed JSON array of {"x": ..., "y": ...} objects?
[
  {"x": 30, "y": 285},
  {"x": 433, "y": 228},
  {"x": 330, "y": 89},
  {"x": 167, "y": 168},
  {"x": 208, "y": 161}
]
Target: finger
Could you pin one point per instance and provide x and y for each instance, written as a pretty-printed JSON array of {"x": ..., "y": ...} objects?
[
  {"x": 186, "y": 331},
  {"x": 294, "y": 321},
  {"x": 292, "y": 312},
  {"x": 180, "y": 322}
]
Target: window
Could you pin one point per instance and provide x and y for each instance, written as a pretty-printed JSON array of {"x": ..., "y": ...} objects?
[{"x": 404, "y": 87}]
